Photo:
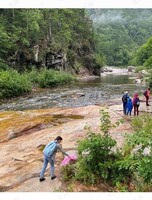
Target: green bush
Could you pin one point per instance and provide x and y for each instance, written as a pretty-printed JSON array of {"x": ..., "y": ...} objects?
[
  {"x": 139, "y": 68},
  {"x": 68, "y": 172},
  {"x": 150, "y": 80},
  {"x": 3, "y": 65},
  {"x": 13, "y": 84},
  {"x": 33, "y": 75},
  {"x": 48, "y": 78},
  {"x": 98, "y": 156},
  {"x": 100, "y": 160},
  {"x": 140, "y": 142}
]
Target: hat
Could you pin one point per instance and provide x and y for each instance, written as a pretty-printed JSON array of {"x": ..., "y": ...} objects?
[{"x": 126, "y": 92}]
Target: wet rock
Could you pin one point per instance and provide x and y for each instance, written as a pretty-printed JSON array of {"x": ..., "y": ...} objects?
[
  {"x": 97, "y": 72},
  {"x": 131, "y": 68},
  {"x": 138, "y": 81},
  {"x": 11, "y": 135},
  {"x": 80, "y": 94},
  {"x": 24, "y": 156}
]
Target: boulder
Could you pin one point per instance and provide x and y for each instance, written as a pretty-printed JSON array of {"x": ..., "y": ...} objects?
[{"x": 131, "y": 68}]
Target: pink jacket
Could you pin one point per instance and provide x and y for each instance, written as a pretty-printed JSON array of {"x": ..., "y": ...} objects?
[{"x": 134, "y": 98}]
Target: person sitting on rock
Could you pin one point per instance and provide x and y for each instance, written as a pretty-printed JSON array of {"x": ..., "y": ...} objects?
[{"x": 49, "y": 157}]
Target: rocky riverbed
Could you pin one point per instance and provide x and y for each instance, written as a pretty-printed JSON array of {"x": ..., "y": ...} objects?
[{"x": 23, "y": 133}]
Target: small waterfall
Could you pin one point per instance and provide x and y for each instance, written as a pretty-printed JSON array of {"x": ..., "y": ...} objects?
[{"x": 36, "y": 52}]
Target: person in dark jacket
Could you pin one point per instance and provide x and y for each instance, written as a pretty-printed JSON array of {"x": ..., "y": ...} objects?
[
  {"x": 124, "y": 101},
  {"x": 50, "y": 157}
]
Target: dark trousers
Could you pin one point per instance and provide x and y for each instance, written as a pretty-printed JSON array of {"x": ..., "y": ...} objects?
[
  {"x": 147, "y": 99},
  {"x": 136, "y": 110},
  {"x": 124, "y": 108}
]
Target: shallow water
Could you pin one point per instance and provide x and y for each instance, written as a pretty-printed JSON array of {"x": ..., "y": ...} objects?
[{"x": 96, "y": 91}]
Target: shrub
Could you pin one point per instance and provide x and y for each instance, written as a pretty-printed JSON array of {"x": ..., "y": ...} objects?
[
  {"x": 140, "y": 145},
  {"x": 99, "y": 159},
  {"x": 98, "y": 156},
  {"x": 68, "y": 172},
  {"x": 150, "y": 80},
  {"x": 48, "y": 78},
  {"x": 13, "y": 84},
  {"x": 33, "y": 75}
]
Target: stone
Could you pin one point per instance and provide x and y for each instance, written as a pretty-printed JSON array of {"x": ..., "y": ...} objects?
[{"x": 11, "y": 135}]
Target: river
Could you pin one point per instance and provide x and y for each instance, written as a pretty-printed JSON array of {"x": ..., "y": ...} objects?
[{"x": 86, "y": 92}]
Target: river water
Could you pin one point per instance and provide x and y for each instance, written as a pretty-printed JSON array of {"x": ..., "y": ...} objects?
[{"x": 86, "y": 92}]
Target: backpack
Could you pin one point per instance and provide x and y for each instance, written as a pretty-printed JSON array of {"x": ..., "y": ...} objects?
[
  {"x": 137, "y": 102},
  {"x": 124, "y": 98},
  {"x": 49, "y": 149},
  {"x": 145, "y": 93}
]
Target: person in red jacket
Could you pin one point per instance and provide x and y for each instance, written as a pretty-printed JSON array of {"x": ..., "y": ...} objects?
[
  {"x": 147, "y": 95},
  {"x": 136, "y": 103}
]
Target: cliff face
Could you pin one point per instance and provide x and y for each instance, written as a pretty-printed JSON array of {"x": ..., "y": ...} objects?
[{"x": 61, "y": 39}]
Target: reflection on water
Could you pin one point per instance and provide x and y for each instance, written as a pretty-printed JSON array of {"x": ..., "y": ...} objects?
[{"x": 82, "y": 93}]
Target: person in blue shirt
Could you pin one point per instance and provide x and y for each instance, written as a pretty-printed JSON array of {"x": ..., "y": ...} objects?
[
  {"x": 49, "y": 157},
  {"x": 129, "y": 106}
]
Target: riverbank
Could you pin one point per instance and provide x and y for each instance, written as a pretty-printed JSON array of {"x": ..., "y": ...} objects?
[
  {"x": 23, "y": 133},
  {"x": 89, "y": 90}
]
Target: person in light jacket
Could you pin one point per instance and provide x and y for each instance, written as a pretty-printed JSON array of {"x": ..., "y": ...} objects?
[{"x": 49, "y": 157}]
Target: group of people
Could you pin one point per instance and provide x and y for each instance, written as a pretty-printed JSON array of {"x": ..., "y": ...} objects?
[{"x": 129, "y": 104}]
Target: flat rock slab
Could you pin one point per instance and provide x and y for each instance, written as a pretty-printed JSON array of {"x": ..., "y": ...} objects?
[
  {"x": 21, "y": 158},
  {"x": 34, "y": 185}
]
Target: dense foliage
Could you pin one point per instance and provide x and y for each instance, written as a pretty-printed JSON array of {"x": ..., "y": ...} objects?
[
  {"x": 13, "y": 83},
  {"x": 85, "y": 38},
  {"x": 42, "y": 36},
  {"x": 120, "y": 32},
  {"x": 144, "y": 55},
  {"x": 126, "y": 169}
]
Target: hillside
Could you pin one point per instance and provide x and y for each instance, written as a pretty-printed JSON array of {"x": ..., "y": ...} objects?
[
  {"x": 120, "y": 32},
  {"x": 59, "y": 39}
]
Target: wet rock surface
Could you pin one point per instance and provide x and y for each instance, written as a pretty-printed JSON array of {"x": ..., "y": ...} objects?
[{"x": 21, "y": 156}]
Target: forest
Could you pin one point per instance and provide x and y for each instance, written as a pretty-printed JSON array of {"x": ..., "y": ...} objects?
[
  {"x": 119, "y": 33},
  {"x": 45, "y": 37},
  {"x": 48, "y": 47}
]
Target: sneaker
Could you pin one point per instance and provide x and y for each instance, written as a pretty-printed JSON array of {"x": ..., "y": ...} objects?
[
  {"x": 42, "y": 179},
  {"x": 53, "y": 177}
]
